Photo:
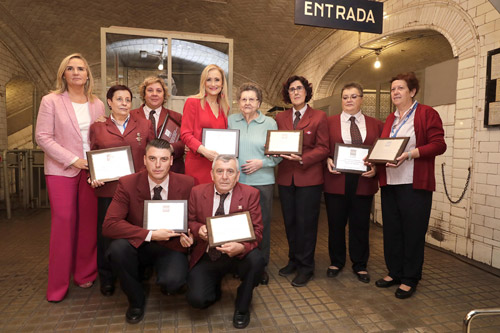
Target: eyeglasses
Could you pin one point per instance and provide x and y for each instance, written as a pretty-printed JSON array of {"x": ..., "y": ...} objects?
[
  {"x": 248, "y": 100},
  {"x": 295, "y": 89},
  {"x": 353, "y": 97}
]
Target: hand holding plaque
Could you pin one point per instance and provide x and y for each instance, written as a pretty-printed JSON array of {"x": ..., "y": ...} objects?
[
  {"x": 235, "y": 227},
  {"x": 387, "y": 150},
  {"x": 110, "y": 164},
  {"x": 284, "y": 142},
  {"x": 350, "y": 158},
  {"x": 165, "y": 214}
]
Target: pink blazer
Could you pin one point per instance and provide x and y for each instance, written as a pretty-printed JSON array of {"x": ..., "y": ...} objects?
[{"x": 58, "y": 134}]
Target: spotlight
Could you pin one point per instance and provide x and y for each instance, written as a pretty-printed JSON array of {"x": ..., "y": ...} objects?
[
  {"x": 160, "y": 66},
  {"x": 377, "y": 63}
]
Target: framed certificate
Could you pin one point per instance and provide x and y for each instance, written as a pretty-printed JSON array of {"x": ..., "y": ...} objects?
[
  {"x": 166, "y": 214},
  {"x": 110, "y": 164},
  {"x": 170, "y": 130},
  {"x": 235, "y": 227},
  {"x": 223, "y": 141},
  {"x": 349, "y": 158},
  {"x": 386, "y": 150},
  {"x": 284, "y": 142}
]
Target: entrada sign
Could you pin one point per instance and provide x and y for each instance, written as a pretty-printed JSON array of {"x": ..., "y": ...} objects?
[{"x": 357, "y": 15}]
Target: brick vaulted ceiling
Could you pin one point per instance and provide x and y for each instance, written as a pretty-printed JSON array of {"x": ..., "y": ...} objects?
[{"x": 268, "y": 46}]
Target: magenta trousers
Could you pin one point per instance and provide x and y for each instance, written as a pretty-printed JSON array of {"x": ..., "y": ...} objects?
[{"x": 73, "y": 233}]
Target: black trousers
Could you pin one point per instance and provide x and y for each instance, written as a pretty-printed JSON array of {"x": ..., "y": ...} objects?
[
  {"x": 104, "y": 268},
  {"x": 405, "y": 214},
  {"x": 204, "y": 280},
  {"x": 300, "y": 208},
  {"x": 171, "y": 267},
  {"x": 355, "y": 209}
]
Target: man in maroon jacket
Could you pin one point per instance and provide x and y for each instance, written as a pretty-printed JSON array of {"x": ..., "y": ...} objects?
[
  {"x": 224, "y": 196},
  {"x": 133, "y": 245}
]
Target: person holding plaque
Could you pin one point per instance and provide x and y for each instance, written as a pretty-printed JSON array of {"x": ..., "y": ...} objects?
[
  {"x": 208, "y": 264},
  {"x": 406, "y": 187},
  {"x": 63, "y": 122},
  {"x": 207, "y": 109},
  {"x": 349, "y": 196},
  {"x": 300, "y": 178},
  {"x": 257, "y": 169},
  {"x": 154, "y": 95},
  {"x": 119, "y": 129}
]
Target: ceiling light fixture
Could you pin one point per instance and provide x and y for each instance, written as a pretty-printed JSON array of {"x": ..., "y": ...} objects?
[{"x": 377, "y": 63}]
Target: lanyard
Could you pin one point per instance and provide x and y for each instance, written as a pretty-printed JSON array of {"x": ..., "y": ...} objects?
[{"x": 393, "y": 134}]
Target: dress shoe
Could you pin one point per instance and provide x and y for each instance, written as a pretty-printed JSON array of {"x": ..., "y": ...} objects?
[
  {"x": 363, "y": 277},
  {"x": 381, "y": 283},
  {"x": 134, "y": 315},
  {"x": 301, "y": 279},
  {"x": 287, "y": 270},
  {"x": 402, "y": 294},
  {"x": 241, "y": 319},
  {"x": 107, "y": 289},
  {"x": 264, "y": 278},
  {"x": 332, "y": 272}
]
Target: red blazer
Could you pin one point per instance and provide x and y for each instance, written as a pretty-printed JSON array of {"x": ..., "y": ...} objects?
[
  {"x": 178, "y": 165},
  {"x": 124, "y": 218},
  {"x": 106, "y": 135},
  {"x": 335, "y": 184},
  {"x": 429, "y": 134},
  {"x": 244, "y": 198},
  {"x": 314, "y": 149}
]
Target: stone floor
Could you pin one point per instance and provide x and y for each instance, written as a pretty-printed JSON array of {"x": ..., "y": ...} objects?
[{"x": 449, "y": 289}]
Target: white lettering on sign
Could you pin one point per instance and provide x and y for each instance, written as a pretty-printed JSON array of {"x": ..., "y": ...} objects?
[{"x": 328, "y": 10}]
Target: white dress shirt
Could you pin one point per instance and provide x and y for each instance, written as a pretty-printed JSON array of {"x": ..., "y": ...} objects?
[{"x": 345, "y": 126}]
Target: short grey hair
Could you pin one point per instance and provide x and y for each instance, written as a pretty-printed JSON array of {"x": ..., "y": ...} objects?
[{"x": 226, "y": 158}]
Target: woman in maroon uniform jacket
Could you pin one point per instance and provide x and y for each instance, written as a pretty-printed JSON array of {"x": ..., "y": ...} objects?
[
  {"x": 119, "y": 129},
  {"x": 300, "y": 178},
  {"x": 349, "y": 196},
  {"x": 407, "y": 186}
]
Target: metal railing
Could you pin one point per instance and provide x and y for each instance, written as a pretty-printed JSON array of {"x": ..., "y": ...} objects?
[
  {"x": 478, "y": 313},
  {"x": 23, "y": 181}
]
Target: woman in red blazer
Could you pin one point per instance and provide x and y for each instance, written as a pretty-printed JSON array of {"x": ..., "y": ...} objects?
[
  {"x": 120, "y": 129},
  {"x": 154, "y": 94},
  {"x": 349, "y": 196},
  {"x": 64, "y": 118},
  {"x": 205, "y": 110},
  {"x": 300, "y": 178},
  {"x": 407, "y": 186}
]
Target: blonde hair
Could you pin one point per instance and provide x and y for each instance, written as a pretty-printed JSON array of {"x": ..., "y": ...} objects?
[
  {"x": 149, "y": 81},
  {"x": 222, "y": 98},
  {"x": 62, "y": 86}
]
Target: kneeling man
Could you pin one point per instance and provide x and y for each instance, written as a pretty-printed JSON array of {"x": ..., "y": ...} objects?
[
  {"x": 134, "y": 246},
  {"x": 224, "y": 196}
]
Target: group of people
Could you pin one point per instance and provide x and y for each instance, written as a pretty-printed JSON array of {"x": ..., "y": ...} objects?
[{"x": 92, "y": 219}]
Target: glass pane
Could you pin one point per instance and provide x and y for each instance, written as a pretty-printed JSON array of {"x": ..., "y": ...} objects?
[{"x": 189, "y": 58}]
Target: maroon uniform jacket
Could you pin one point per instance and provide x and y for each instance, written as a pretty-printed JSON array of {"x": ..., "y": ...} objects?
[
  {"x": 335, "y": 184},
  {"x": 137, "y": 134},
  {"x": 178, "y": 146},
  {"x": 124, "y": 218},
  {"x": 244, "y": 198},
  {"x": 429, "y": 134},
  {"x": 314, "y": 149}
]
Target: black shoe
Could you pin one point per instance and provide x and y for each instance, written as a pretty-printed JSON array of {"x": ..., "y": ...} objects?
[
  {"x": 363, "y": 277},
  {"x": 241, "y": 319},
  {"x": 134, "y": 315},
  {"x": 302, "y": 279},
  {"x": 381, "y": 283},
  {"x": 402, "y": 294},
  {"x": 107, "y": 289},
  {"x": 332, "y": 272},
  {"x": 264, "y": 279},
  {"x": 287, "y": 270}
]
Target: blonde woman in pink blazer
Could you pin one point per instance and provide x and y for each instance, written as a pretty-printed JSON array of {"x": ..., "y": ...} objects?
[{"x": 64, "y": 118}]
